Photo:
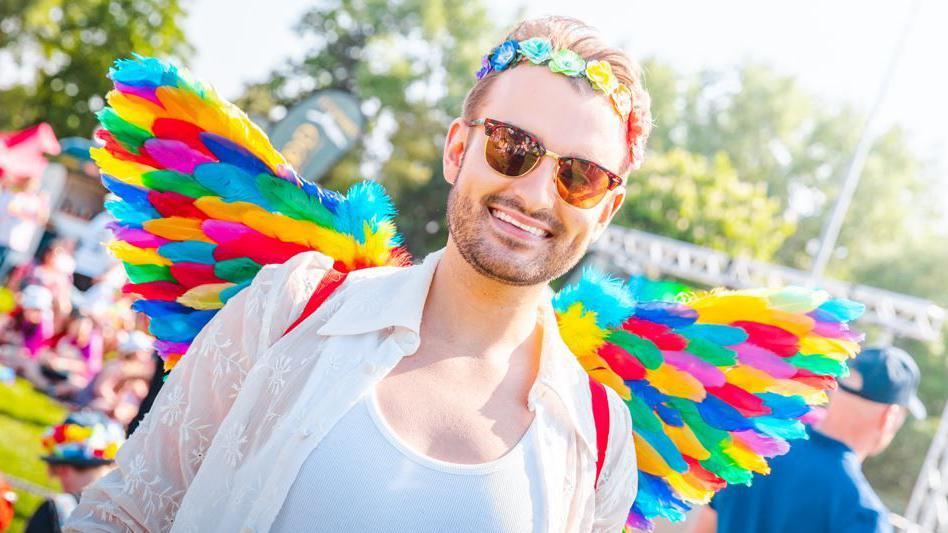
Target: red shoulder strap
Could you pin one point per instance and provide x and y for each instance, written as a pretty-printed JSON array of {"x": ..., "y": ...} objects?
[
  {"x": 331, "y": 280},
  {"x": 600, "y": 409}
]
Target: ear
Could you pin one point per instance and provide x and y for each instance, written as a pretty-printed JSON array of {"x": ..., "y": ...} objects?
[
  {"x": 892, "y": 418},
  {"x": 454, "y": 146},
  {"x": 613, "y": 204}
]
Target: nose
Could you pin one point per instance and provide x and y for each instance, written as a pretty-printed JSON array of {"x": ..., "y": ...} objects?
[{"x": 537, "y": 189}]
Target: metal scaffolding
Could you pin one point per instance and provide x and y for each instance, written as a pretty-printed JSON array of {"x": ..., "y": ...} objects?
[{"x": 635, "y": 252}]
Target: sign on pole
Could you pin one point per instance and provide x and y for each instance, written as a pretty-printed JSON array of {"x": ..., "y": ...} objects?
[{"x": 318, "y": 131}]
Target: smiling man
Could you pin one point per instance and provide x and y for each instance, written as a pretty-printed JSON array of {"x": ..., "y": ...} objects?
[{"x": 435, "y": 397}]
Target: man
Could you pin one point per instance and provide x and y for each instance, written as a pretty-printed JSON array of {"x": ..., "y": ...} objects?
[
  {"x": 24, "y": 210},
  {"x": 430, "y": 398},
  {"x": 819, "y": 485},
  {"x": 79, "y": 451}
]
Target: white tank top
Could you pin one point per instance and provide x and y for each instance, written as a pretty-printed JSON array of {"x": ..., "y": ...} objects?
[{"x": 362, "y": 477}]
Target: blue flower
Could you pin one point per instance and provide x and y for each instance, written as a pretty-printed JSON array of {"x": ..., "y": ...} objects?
[
  {"x": 537, "y": 50},
  {"x": 504, "y": 55}
]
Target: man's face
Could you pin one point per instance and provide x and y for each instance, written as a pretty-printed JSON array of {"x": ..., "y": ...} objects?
[{"x": 568, "y": 120}]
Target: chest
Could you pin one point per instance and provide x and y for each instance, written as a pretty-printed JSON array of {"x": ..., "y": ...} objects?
[{"x": 455, "y": 411}]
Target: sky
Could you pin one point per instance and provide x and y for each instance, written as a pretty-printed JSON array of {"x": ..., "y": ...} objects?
[{"x": 838, "y": 50}]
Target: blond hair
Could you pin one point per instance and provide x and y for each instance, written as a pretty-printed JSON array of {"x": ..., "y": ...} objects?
[{"x": 572, "y": 34}]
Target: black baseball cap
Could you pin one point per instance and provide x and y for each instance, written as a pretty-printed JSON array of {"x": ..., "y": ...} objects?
[{"x": 885, "y": 375}]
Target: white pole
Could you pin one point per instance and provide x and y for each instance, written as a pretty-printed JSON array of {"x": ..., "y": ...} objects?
[{"x": 858, "y": 160}]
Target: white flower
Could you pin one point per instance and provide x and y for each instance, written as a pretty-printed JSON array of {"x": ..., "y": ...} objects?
[
  {"x": 170, "y": 410},
  {"x": 232, "y": 439},
  {"x": 278, "y": 371}
]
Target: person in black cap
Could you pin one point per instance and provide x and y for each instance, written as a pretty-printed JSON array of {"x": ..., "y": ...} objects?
[
  {"x": 78, "y": 452},
  {"x": 819, "y": 486}
]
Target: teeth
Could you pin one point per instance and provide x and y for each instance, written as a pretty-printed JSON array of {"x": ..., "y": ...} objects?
[{"x": 529, "y": 229}]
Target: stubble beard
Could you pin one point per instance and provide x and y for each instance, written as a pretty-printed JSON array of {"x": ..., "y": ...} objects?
[{"x": 467, "y": 224}]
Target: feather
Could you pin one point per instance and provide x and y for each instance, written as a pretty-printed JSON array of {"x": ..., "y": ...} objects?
[
  {"x": 175, "y": 155},
  {"x": 173, "y": 204},
  {"x": 181, "y": 131},
  {"x": 188, "y": 252},
  {"x": 171, "y": 181},
  {"x": 231, "y": 183},
  {"x": 233, "y": 154},
  {"x": 204, "y": 296},
  {"x": 147, "y": 273},
  {"x": 237, "y": 270},
  {"x": 130, "y": 136},
  {"x": 136, "y": 236},
  {"x": 194, "y": 274}
]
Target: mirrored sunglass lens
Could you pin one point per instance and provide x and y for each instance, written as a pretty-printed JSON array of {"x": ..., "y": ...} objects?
[
  {"x": 510, "y": 152},
  {"x": 581, "y": 183}
]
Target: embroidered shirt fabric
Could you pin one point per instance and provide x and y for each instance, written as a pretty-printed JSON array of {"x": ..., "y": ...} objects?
[{"x": 242, "y": 411}]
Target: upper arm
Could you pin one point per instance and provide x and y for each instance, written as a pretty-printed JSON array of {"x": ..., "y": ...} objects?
[
  {"x": 155, "y": 467},
  {"x": 618, "y": 481}
]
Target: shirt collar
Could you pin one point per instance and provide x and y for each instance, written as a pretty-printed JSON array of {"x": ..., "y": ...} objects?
[{"x": 381, "y": 299}]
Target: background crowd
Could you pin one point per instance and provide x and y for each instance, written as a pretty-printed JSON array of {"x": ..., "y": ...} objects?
[{"x": 73, "y": 338}]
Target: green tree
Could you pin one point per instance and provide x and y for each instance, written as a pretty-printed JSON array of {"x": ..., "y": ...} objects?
[
  {"x": 702, "y": 200},
  {"x": 797, "y": 146},
  {"x": 411, "y": 63},
  {"x": 65, "y": 49}
]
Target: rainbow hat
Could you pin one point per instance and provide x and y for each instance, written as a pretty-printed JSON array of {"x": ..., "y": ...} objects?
[{"x": 85, "y": 438}]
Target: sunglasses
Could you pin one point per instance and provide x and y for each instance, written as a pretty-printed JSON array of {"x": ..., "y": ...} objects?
[{"x": 514, "y": 152}]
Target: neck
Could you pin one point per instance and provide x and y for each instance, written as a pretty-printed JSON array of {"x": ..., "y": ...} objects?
[
  {"x": 846, "y": 429},
  {"x": 483, "y": 315}
]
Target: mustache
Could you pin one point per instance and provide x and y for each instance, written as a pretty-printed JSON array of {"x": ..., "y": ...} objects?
[{"x": 543, "y": 215}]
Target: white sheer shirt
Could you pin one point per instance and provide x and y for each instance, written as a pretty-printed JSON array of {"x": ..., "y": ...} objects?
[{"x": 231, "y": 428}]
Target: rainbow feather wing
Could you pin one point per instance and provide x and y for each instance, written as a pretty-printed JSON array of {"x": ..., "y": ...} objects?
[
  {"x": 716, "y": 382},
  {"x": 205, "y": 201}
]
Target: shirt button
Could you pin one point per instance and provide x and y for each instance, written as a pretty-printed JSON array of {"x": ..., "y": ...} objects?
[
  {"x": 370, "y": 368},
  {"x": 306, "y": 433},
  {"x": 247, "y": 530}
]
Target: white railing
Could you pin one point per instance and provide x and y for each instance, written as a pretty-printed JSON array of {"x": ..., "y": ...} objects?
[{"x": 637, "y": 252}]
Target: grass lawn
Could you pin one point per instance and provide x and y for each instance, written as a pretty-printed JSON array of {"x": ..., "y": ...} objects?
[{"x": 24, "y": 414}]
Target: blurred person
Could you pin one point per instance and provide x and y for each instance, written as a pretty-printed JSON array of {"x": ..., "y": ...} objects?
[
  {"x": 78, "y": 452},
  {"x": 24, "y": 210},
  {"x": 819, "y": 485},
  {"x": 33, "y": 322},
  {"x": 451, "y": 375},
  {"x": 74, "y": 359},
  {"x": 123, "y": 383},
  {"x": 53, "y": 269}
]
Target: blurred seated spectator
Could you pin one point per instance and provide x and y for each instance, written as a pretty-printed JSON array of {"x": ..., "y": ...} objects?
[
  {"x": 53, "y": 270},
  {"x": 32, "y": 324},
  {"x": 78, "y": 452},
  {"x": 73, "y": 361},
  {"x": 123, "y": 383}
]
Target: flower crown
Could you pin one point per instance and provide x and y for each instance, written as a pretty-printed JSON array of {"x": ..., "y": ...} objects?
[{"x": 539, "y": 51}]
